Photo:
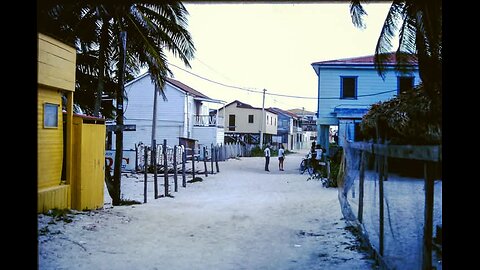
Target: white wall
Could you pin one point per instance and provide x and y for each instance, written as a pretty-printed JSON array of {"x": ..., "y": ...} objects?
[{"x": 139, "y": 111}]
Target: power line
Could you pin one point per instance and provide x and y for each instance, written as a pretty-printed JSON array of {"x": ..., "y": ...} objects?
[{"x": 273, "y": 94}]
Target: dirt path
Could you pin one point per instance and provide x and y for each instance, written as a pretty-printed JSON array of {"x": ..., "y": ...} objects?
[{"x": 240, "y": 218}]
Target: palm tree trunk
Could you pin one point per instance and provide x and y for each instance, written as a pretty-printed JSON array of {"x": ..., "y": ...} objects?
[
  {"x": 101, "y": 67},
  {"x": 117, "y": 174}
]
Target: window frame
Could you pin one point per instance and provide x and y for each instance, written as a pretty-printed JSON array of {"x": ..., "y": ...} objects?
[
  {"x": 355, "y": 89},
  {"x": 252, "y": 119},
  {"x": 46, "y": 110}
]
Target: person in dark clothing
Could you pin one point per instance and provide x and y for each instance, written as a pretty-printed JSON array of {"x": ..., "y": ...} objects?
[{"x": 267, "y": 157}]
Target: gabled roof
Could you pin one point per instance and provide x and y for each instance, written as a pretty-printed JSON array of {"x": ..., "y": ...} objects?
[
  {"x": 186, "y": 88},
  {"x": 366, "y": 60},
  {"x": 178, "y": 84},
  {"x": 240, "y": 104},
  {"x": 278, "y": 110}
]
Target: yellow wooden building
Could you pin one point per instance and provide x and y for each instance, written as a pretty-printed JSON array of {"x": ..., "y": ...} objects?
[{"x": 70, "y": 148}]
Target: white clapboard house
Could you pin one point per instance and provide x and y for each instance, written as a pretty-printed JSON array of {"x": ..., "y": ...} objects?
[{"x": 186, "y": 113}]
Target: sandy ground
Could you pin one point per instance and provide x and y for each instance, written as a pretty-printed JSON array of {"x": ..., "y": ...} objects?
[{"x": 240, "y": 218}]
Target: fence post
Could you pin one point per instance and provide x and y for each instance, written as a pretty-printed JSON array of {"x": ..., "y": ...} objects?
[
  {"x": 175, "y": 182},
  {"x": 205, "y": 160},
  {"x": 217, "y": 150},
  {"x": 428, "y": 227},
  {"x": 145, "y": 175},
  {"x": 136, "y": 158},
  {"x": 193, "y": 163},
  {"x": 165, "y": 167},
  {"x": 361, "y": 187},
  {"x": 211, "y": 158},
  {"x": 184, "y": 160},
  {"x": 381, "y": 205},
  {"x": 154, "y": 160}
]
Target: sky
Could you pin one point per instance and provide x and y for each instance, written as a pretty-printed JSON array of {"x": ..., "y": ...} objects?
[{"x": 271, "y": 46}]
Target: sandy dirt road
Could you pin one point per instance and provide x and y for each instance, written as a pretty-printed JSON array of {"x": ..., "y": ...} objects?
[{"x": 240, "y": 218}]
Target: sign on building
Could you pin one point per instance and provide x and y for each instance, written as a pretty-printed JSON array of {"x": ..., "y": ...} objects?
[{"x": 128, "y": 161}]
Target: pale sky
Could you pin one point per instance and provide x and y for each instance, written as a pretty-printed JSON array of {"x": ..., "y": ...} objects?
[{"x": 272, "y": 46}]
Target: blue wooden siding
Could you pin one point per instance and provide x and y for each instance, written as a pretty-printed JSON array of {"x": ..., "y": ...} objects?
[{"x": 371, "y": 88}]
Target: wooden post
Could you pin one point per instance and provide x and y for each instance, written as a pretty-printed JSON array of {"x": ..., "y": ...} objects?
[
  {"x": 145, "y": 175},
  {"x": 381, "y": 206},
  {"x": 193, "y": 163},
  {"x": 184, "y": 160},
  {"x": 154, "y": 160},
  {"x": 136, "y": 158},
  {"x": 428, "y": 227},
  {"x": 217, "y": 151},
  {"x": 205, "y": 160},
  {"x": 361, "y": 187},
  {"x": 211, "y": 159},
  {"x": 165, "y": 167},
  {"x": 175, "y": 182}
]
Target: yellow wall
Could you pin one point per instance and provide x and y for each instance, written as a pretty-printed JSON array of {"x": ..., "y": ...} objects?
[
  {"x": 89, "y": 162},
  {"x": 56, "y": 63},
  {"x": 49, "y": 142},
  {"x": 56, "y": 76}
]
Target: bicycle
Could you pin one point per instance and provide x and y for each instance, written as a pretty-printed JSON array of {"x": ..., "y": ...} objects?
[{"x": 316, "y": 169}]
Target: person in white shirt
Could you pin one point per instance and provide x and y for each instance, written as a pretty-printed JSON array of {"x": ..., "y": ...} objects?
[
  {"x": 281, "y": 157},
  {"x": 267, "y": 157}
]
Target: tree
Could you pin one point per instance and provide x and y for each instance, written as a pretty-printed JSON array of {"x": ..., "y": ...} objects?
[
  {"x": 418, "y": 24},
  {"x": 95, "y": 28}
]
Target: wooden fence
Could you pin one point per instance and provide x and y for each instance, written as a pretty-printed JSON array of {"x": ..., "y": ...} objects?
[{"x": 355, "y": 163}]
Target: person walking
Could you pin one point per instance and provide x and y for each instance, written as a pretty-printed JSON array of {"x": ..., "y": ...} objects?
[
  {"x": 281, "y": 157},
  {"x": 267, "y": 157}
]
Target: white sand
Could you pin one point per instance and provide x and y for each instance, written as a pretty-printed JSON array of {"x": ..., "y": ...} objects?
[{"x": 240, "y": 218}]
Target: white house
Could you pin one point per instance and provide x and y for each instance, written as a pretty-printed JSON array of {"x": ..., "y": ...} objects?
[
  {"x": 348, "y": 87},
  {"x": 186, "y": 113}
]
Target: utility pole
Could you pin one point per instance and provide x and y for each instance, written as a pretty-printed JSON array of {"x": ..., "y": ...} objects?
[{"x": 262, "y": 122}]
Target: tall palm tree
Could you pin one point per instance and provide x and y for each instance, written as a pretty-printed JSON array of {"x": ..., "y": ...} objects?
[
  {"x": 95, "y": 28},
  {"x": 418, "y": 24}
]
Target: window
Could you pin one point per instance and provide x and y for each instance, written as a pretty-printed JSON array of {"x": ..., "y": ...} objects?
[
  {"x": 231, "y": 122},
  {"x": 404, "y": 84},
  {"x": 250, "y": 118},
  {"x": 348, "y": 88},
  {"x": 267, "y": 120},
  {"x": 50, "y": 115}
]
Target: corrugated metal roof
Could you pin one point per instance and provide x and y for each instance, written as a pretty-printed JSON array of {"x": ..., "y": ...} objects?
[{"x": 367, "y": 60}]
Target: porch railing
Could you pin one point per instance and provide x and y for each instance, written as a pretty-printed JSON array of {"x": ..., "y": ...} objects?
[{"x": 207, "y": 121}]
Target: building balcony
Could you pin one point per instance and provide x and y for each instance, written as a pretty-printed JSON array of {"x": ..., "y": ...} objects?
[{"x": 207, "y": 121}]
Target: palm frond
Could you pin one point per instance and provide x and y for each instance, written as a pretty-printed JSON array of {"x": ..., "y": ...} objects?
[
  {"x": 357, "y": 12},
  {"x": 389, "y": 31}
]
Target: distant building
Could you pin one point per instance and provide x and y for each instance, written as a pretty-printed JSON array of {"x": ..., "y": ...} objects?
[
  {"x": 289, "y": 132},
  {"x": 348, "y": 87},
  {"x": 308, "y": 125},
  {"x": 243, "y": 123},
  {"x": 185, "y": 114}
]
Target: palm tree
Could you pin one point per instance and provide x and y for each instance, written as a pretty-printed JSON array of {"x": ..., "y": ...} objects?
[
  {"x": 418, "y": 24},
  {"x": 95, "y": 29}
]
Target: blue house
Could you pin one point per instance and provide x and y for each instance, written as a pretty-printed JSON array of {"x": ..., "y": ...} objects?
[
  {"x": 289, "y": 131},
  {"x": 348, "y": 87}
]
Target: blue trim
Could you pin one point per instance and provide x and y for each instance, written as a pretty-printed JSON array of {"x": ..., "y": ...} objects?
[
  {"x": 355, "y": 90},
  {"x": 398, "y": 82}
]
